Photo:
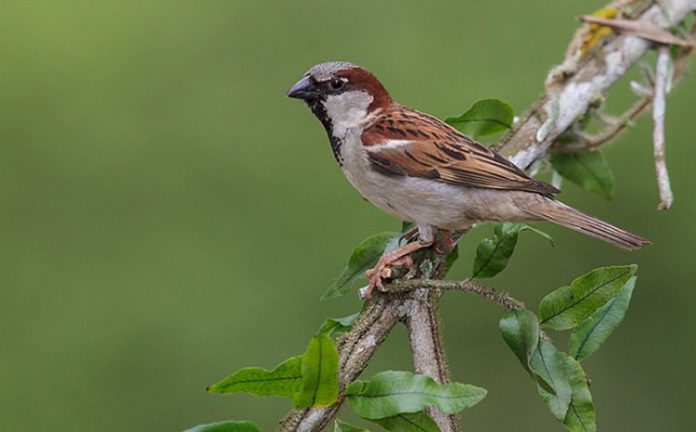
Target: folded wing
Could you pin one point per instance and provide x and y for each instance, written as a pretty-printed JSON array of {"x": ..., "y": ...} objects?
[{"x": 405, "y": 142}]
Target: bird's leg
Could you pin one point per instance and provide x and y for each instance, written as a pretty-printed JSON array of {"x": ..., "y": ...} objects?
[
  {"x": 408, "y": 235},
  {"x": 445, "y": 243},
  {"x": 396, "y": 257}
]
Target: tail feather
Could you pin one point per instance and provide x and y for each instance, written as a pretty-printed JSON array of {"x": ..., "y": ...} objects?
[{"x": 569, "y": 217}]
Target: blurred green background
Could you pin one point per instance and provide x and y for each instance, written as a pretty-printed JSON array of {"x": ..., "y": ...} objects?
[{"x": 167, "y": 215}]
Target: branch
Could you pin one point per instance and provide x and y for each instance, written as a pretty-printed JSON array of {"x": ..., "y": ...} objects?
[
  {"x": 468, "y": 286},
  {"x": 425, "y": 339},
  {"x": 355, "y": 350},
  {"x": 572, "y": 89},
  {"x": 658, "y": 114},
  {"x": 583, "y": 78},
  {"x": 614, "y": 127},
  {"x": 425, "y": 335}
]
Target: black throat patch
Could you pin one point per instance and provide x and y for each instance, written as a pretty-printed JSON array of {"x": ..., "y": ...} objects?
[{"x": 318, "y": 109}]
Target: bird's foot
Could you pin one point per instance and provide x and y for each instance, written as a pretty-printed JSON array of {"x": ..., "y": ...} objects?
[
  {"x": 383, "y": 269},
  {"x": 445, "y": 242},
  {"x": 409, "y": 235}
]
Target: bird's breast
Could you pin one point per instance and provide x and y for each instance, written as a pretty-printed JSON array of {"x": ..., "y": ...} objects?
[{"x": 408, "y": 198}]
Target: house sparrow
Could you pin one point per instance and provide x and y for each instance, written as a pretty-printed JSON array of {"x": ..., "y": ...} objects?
[{"x": 419, "y": 169}]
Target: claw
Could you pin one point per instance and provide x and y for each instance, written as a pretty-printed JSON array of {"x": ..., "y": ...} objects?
[
  {"x": 383, "y": 269},
  {"x": 446, "y": 243}
]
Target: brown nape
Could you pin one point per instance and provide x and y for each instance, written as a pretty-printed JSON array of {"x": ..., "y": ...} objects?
[{"x": 363, "y": 79}]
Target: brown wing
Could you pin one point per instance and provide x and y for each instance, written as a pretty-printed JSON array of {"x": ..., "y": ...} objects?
[{"x": 409, "y": 143}]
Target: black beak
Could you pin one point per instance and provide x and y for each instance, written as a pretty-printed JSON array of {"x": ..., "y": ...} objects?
[{"x": 304, "y": 89}]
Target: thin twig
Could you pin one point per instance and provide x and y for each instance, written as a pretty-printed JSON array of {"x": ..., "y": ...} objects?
[
  {"x": 467, "y": 286},
  {"x": 614, "y": 128},
  {"x": 644, "y": 29},
  {"x": 658, "y": 114},
  {"x": 682, "y": 59}
]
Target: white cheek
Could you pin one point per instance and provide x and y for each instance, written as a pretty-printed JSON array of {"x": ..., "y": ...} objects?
[{"x": 347, "y": 110}]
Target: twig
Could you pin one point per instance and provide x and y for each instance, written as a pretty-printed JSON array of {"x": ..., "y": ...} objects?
[
  {"x": 644, "y": 29},
  {"x": 467, "y": 286},
  {"x": 614, "y": 128},
  {"x": 682, "y": 59},
  {"x": 658, "y": 114}
]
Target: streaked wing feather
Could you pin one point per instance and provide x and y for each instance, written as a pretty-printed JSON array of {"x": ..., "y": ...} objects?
[{"x": 437, "y": 151}]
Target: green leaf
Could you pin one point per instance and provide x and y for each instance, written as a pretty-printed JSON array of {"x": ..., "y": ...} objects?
[
  {"x": 395, "y": 392},
  {"x": 226, "y": 426},
  {"x": 587, "y": 169},
  {"x": 485, "y": 117},
  {"x": 334, "y": 327},
  {"x": 364, "y": 256},
  {"x": 284, "y": 380},
  {"x": 520, "y": 329},
  {"x": 591, "y": 333},
  {"x": 341, "y": 426},
  {"x": 568, "y": 306},
  {"x": 415, "y": 422},
  {"x": 581, "y": 413},
  {"x": 319, "y": 374},
  {"x": 550, "y": 367},
  {"x": 492, "y": 254}
]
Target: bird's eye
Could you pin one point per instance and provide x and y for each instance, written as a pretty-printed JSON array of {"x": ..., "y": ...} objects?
[{"x": 337, "y": 83}]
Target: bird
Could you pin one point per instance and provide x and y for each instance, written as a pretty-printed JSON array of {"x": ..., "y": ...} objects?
[{"x": 420, "y": 169}]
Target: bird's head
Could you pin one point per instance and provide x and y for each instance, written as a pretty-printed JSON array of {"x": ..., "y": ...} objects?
[{"x": 342, "y": 95}]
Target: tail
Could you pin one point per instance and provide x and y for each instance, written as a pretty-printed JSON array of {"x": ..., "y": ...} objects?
[{"x": 568, "y": 217}]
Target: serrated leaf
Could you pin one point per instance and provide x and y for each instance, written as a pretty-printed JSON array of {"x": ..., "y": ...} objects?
[
  {"x": 591, "y": 333},
  {"x": 319, "y": 374},
  {"x": 485, "y": 117},
  {"x": 284, "y": 380},
  {"x": 520, "y": 329},
  {"x": 493, "y": 254},
  {"x": 226, "y": 426},
  {"x": 334, "y": 327},
  {"x": 581, "y": 415},
  {"x": 396, "y": 392},
  {"x": 341, "y": 426},
  {"x": 363, "y": 257},
  {"x": 415, "y": 422},
  {"x": 551, "y": 371},
  {"x": 587, "y": 169},
  {"x": 568, "y": 306}
]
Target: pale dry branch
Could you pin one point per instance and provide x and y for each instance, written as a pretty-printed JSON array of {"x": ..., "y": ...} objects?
[
  {"x": 644, "y": 29},
  {"x": 613, "y": 128},
  {"x": 662, "y": 78},
  {"x": 573, "y": 89}
]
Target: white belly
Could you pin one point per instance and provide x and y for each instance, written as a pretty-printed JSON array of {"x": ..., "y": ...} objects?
[{"x": 423, "y": 201}]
